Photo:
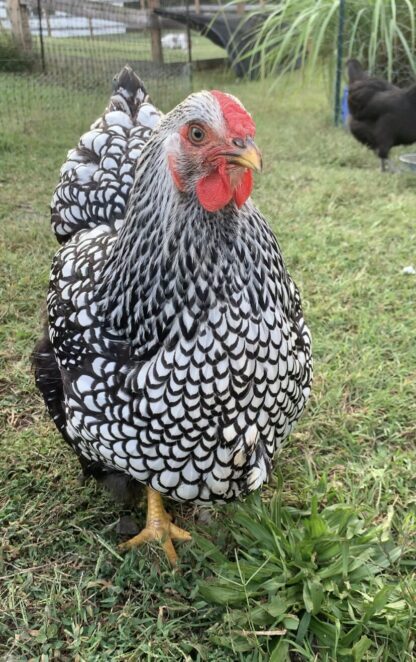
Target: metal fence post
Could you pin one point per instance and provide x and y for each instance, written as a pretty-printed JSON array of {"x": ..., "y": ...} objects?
[
  {"x": 340, "y": 47},
  {"x": 42, "y": 46},
  {"x": 189, "y": 39}
]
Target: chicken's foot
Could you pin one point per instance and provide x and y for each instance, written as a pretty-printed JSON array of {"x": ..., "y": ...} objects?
[
  {"x": 388, "y": 166},
  {"x": 158, "y": 527}
]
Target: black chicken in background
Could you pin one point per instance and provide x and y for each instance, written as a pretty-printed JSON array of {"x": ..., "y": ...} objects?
[{"x": 381, "y": 114}]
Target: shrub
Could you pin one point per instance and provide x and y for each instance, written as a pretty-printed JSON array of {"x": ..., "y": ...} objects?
[{"x": 11, "y": 57}]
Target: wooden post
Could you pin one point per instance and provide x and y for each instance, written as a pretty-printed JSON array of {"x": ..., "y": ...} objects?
[
  {"x": 155, "y": 32},
  {"x": 241, "y": 8},
  {"x": 197, "y": 6},
  {"x": 18, "y": 12}
]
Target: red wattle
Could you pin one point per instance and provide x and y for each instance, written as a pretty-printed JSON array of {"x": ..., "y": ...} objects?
[
  {"x": 243, "y": 190},
  {"x": 214, "y": 191}
]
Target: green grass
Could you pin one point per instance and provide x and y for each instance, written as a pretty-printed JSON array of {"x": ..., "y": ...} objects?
[{"x": 345, "y": 480}]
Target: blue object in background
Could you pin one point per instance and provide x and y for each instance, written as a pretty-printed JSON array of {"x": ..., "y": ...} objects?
[{"x": 344, "y": 107}]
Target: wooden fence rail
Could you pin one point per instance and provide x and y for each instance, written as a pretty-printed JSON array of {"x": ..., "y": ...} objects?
[{"x": 136, "y": 19}]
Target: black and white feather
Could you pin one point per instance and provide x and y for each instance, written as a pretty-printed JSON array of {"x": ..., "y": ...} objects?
[
  {"x": 178, "y": 333},
  {"x": 98, "y": 175}
]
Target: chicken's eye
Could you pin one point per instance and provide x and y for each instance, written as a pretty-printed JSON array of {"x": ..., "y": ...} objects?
[{"x": 196, "y": 134}]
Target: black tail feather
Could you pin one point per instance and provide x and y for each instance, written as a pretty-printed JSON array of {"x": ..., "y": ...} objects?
[
  {"x": 49, "y": 382},
  {"x": 355, "y": 71},
  {"x": 128, "y": 80}
]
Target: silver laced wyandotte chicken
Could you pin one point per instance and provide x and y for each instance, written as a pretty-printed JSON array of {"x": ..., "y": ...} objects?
[
  {"x": 176, "y": 354},
  {"x": 381, "y": 114}
]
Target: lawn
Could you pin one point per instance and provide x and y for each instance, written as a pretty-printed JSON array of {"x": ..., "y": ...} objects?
[{"x": 324, "y": 567}]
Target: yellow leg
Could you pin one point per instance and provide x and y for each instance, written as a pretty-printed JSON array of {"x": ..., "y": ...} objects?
[{"x": 158, "y": 527}]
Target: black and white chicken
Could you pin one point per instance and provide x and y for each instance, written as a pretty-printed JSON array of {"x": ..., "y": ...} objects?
[{"x": 176, "y": 354}]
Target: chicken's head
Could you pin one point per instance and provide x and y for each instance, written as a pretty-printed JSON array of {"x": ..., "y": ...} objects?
[{"x": 210, "y": 149}]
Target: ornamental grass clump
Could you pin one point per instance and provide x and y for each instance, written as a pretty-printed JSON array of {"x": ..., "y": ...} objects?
[
  {"x": 312, "y": 578},
  {"x": 305, "y": 33}
]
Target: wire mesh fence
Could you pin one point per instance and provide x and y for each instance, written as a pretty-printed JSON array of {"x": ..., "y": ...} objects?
[{"x": 57, "y": 52}]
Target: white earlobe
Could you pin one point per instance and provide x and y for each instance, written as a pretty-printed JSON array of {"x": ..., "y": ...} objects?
[{"x": 173, "y": 145}]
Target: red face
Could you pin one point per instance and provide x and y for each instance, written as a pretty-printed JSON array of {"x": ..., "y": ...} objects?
[{"x": 217, "y": 160}]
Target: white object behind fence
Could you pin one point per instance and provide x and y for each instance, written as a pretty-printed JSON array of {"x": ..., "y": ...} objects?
[{"x": 175, "y": 40}]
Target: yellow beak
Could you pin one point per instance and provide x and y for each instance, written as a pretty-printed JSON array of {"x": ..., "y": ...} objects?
[{"x": 247, "y": 157}]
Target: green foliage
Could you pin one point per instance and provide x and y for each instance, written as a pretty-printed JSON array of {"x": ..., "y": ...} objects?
[
  {"x": 11, "y": 57},
  {"x": 317, "y": 576},
  {"x": 381, "y": 34}
]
